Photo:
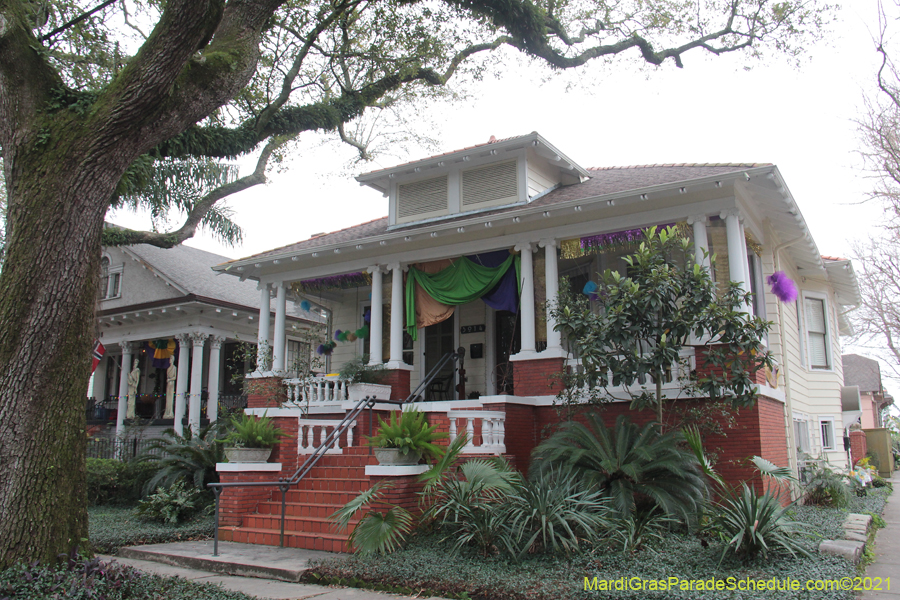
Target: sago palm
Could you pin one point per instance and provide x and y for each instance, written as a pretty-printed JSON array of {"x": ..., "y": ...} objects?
[{"x": 629, "y": 464}]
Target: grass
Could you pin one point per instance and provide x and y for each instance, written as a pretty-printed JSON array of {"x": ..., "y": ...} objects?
[{"x": 112, "y": 527}]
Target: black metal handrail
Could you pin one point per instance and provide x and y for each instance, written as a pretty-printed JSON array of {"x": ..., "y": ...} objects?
[{"x": 303, "y": 470}]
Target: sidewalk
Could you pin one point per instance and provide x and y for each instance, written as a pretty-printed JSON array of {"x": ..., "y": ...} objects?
[
  {"x": 887, "y": 549},
  {"x": 260, "y": 571}
]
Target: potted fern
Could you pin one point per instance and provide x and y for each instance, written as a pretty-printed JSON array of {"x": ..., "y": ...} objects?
[
  {"x": 364, "y": 379},
  {"x": 251, "y": 439},
  {"x": 405, "y": 439}
]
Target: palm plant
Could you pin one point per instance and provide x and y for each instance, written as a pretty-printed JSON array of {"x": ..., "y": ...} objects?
[
  {"x": 190, "y": 457},
  {"x": 750, "y": 524},
  {"x": 376, "y": 532},
  {"x": 556, "y": 511},
  {"x": 628, "y": 464}
]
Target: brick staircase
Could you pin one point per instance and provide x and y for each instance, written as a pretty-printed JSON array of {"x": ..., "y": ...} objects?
[{"x": 334, "y": 481}]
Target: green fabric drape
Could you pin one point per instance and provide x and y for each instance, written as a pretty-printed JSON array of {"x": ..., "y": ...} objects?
[{"x": 460, "y": 283}]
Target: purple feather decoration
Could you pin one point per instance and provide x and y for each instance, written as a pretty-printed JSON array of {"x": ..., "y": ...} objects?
[
  {"x": 782, "y": 286},
  {"x": 337, "y": 335}
]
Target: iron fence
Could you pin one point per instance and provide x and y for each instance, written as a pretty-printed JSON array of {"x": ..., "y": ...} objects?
[{"x": 123, "y": 450}]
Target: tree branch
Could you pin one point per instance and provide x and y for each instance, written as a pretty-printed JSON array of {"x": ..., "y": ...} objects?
[{"x": 120, "y": 236}]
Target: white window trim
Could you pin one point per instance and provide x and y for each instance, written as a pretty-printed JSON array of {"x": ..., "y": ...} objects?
[
  {"x": 829, "y": 352},
  {"x": 110, "y": 271},
  {"x": 827, "y": 419}
]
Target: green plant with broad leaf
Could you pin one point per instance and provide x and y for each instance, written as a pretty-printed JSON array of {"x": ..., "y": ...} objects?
[
  {"x": 825, "y": 487},
  {"x": 635, "y": 467},
  {"x": 376, "y": 532},
  {"x": 409, "y": 432},
  {"x": 174, "y": 504},
  {"x": 248, "y": 431},
  {"x": 748, "y": 523},
  {"x": 190, "y": 457}
]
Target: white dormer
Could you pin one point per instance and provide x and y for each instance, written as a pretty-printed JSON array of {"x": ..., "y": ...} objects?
[{"x": 499, "y": 173}]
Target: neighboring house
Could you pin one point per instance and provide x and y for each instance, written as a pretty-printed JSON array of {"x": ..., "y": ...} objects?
[
  {"x": 522, "y": 197},
  {"x": 865, "y": 374},
  {"x": 169, "y": 300}
]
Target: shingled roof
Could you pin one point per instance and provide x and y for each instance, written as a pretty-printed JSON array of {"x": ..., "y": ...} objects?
[{"x": 603, "y": 181}]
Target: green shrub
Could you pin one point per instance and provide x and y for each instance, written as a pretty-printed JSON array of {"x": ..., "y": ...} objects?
[
  {"x": 750, "y": 524},
  {"x": 630, "y": 465},
  {"x": 824, "y": 487},
  {"x": 174, "y": 504},
  {"x": 111, "y": 481},
  {"x": 190, "y": 457}
]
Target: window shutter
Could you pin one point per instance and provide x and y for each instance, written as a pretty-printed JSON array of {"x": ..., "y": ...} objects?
[
  {"x": 816, "y": 333},
  {"x": 422, "y": 198},
  {"x": 492, "y": 184}
]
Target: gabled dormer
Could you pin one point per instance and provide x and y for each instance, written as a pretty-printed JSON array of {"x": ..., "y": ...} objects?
[{"x": 483, "y": 177}]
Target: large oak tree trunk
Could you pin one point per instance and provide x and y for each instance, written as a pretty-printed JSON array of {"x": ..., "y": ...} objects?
[{"x": 48, "y": 292}]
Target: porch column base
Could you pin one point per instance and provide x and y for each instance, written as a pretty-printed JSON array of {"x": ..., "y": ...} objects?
[
  {"x": 265, "y": 391},
  {"x": 538, "y": 376},
  {"x": 398, "y": 379}
]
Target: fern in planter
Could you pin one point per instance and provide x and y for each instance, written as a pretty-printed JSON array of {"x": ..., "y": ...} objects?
[
  {"x": 358, "y": 370},
  {"x": 410, "y": 433},
  {"x": 251, "y": 432}
]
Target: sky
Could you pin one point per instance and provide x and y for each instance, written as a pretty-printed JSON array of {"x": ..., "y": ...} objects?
[{"x": 800, "y": 118}]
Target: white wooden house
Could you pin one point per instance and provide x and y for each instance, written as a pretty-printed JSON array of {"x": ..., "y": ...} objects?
[{"x": 153, "y": 297}]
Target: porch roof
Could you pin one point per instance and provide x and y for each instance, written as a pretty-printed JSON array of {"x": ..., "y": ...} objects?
[{"x": 603, "y": 182}]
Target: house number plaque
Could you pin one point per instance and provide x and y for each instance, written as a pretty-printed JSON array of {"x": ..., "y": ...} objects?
[{"x": 471, "y": 329}]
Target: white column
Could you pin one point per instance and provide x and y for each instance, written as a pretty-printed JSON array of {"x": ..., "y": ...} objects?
[
  {"x": 122, "y": 407},
  {"x": 748, "y": 283},
  {"x": 198, "y": 339},
  {"x": 376, "y": 327},
  {"x": 397, "y": 320},
  {"x": 701, "y": 241},
  {"x": 551, "y": 274},
  {"x": 212, "y": 386},
  {"x": 278, "y": 335},
  {"x": 737, "y": 255},
  {"x": 262, "y": 348},
  {"x": 181, "y": 381},
  {"x": 526, "y": 300}
]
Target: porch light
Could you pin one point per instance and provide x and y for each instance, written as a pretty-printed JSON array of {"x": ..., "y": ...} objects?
[
  {"x": 682, "y": 190},
  {"x": 577, "y": 209},
  {"x": 643, "y": 196},
  {"x": 718, "y": 184},
  {"x": 382, "y": 243},
  {"x": 295, "y": 258},
  {"x": 315, "y": 254},
  {"x": 460, "y": 230},
  {"x": 516, "y": 219},
  {"x": 337, "y": 250},
  {"x": 488, "y": 224},
  {"x": 359, "y": 246},
  {"x": 546, "y": 213},
  {"x": 406, "y": 239},
  {"x": 434, "y": 234}
]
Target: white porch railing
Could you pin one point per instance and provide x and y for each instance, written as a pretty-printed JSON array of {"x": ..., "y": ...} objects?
[
  {"x": 311, "y": 433},
  {"x": 313, "y": 390},
  {"x": 680, "y": 369},
  {"x": 492, "y": 430}
]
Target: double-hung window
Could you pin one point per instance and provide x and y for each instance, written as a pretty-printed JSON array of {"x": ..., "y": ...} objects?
[
  {"x": 816, "y": 333},
  {"x": 826, "y": 428},
  {"x": 110, "y": 280}
]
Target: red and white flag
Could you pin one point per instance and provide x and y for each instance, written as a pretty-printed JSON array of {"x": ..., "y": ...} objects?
[{"x": 98, "y": 353}]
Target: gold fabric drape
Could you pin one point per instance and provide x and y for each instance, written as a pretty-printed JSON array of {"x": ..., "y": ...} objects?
[{"x": 428, "y": 310}]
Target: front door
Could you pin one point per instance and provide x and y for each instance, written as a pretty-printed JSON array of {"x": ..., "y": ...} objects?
[
  {"x": 508, "y": 342},
  {"x": 439, "y": 340}
]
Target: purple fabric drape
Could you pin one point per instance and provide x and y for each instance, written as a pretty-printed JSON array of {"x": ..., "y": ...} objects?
[{"x": 505, "y": 295}]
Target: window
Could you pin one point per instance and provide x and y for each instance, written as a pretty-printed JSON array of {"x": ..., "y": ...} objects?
[
  {"x": 801, "y": 436},
  {"x": 816, "y": 333},
  {"x": 298, "y": 356},
  {"x": 826, "y": 427},
  {"x": 110, "y": 280}
]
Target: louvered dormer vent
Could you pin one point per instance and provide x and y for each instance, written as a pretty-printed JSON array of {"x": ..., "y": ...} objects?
[
  {"x": 422, "y": 199},
  {"x": 490, "y": 185}
]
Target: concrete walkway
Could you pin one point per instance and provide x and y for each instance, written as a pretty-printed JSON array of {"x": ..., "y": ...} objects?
[
  {"x": 260, "y": 571},
  {"x": 887, "y": 549}
]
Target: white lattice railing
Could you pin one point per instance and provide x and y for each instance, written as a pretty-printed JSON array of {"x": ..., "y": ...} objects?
[
  {"x": 491, "y": 427},
  {"x": 312, "y": 432},
  {"x": 312, "y": 390}
]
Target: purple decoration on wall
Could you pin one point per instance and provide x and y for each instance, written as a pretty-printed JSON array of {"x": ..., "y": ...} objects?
[
  {"x": 367, "y": 315},
  {"x": 782, "y": 286},
  {"x": 321, "y": 349},
  {"x": 617, "y": 238},
  {"x": 337, "y": 335}
]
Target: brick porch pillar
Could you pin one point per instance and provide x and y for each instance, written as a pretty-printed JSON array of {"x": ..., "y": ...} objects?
[
  {"x": 398, "y": 379},
  {"x": 540, "y": 377},
  {"x": 265, "y": 392},
  {"x": 858, "y": 445}
]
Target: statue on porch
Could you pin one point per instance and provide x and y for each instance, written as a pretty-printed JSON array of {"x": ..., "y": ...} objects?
[
  {"x": 133, "y": 379},
  {"x": 171, "y": 374}
]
